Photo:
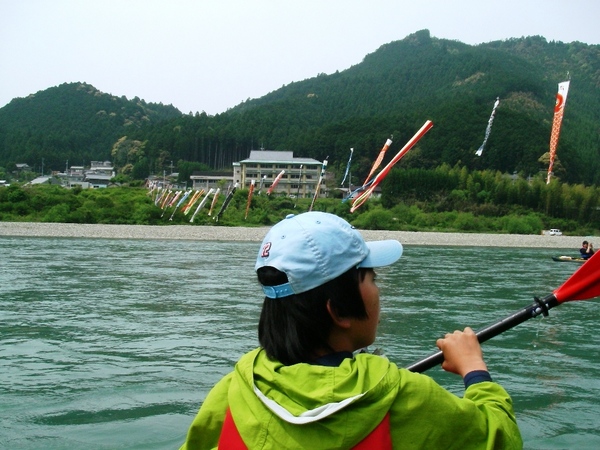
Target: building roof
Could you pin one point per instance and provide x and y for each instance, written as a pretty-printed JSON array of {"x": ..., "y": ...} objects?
[
  {"x": 212, "y": 173},
  {"x": 276, "y": 156},
  {"x": 103, "y": 164},
  {"x": 41, "y": 180},
  {"x": 97, "y": 176}
]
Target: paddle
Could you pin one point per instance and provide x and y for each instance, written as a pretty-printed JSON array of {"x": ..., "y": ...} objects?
[{"x": 582, "y": 285}]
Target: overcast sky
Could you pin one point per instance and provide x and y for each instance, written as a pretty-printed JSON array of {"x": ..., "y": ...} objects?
[{"x": 205, "y": 55}]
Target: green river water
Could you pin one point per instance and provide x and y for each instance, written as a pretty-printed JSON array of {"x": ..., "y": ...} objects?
[{"x": 113, "y": 344}]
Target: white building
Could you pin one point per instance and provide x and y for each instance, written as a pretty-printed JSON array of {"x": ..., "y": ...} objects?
[{"x": 299, "y": 179}]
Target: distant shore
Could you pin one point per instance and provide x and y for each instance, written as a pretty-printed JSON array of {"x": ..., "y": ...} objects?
[{"x": 220, "y": 233}]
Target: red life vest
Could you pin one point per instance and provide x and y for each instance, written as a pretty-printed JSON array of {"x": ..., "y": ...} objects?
[
  {"x": 380, "y": 438},
  {"x": 230, "y": 438}
]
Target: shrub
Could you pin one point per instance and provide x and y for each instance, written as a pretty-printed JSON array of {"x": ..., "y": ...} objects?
[{"x": 377, "y": 219}]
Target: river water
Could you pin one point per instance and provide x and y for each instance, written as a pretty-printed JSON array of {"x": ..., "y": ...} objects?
[{"x": 113, "y": 344}]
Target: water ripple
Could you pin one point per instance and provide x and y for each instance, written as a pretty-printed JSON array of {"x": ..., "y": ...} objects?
[{"x": 114, "y": 343}]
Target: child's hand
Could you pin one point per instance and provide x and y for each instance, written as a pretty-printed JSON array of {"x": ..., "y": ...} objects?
[{"x": 462, "y": 352}]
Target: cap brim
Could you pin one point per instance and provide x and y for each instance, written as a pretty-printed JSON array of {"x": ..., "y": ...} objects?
[{"x": 382, "y": 253}]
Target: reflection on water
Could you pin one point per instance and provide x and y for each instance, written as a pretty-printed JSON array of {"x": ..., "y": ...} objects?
[{"x": 114, "y": 343}]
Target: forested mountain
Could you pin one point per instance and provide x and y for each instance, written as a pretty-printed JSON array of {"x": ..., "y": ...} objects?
[
  {"x": 391, "y": 92},
  {"x": 74, "y": 122}
]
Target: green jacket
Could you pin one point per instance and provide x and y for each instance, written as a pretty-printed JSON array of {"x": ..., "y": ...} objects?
[{"x": 319, "y": 407}]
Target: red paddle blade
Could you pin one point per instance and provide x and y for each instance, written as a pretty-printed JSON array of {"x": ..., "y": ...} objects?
[{"x": 583, "y": 284}]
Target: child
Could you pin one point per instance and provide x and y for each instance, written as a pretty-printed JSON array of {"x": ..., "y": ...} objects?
[{"x": 308, "y": 387}]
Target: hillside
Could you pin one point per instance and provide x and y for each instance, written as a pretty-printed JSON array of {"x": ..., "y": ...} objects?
[
  {"x": 405, "y": 82},
  {"x": 391, "y": 92},
  {"x": 74, "y": 122}
]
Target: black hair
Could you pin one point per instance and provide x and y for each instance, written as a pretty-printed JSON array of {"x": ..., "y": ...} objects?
[{"x": 293, "y": 329}]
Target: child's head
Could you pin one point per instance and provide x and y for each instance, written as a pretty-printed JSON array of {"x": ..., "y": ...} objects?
[{"x": 307, "y": 262}]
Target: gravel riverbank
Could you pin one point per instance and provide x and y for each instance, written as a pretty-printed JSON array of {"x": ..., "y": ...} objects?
[{"x": 220, "y": 233}]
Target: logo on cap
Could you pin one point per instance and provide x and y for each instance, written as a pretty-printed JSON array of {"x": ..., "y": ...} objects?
[{"x": 265, "y": 250}]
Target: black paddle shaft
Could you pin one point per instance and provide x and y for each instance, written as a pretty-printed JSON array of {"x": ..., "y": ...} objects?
[{"x": 535, "y": 309}]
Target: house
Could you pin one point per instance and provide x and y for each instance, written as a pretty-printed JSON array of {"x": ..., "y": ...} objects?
[
  {"x": 99, "y": 174},
  {"x": 74, "y": 176},
  {"x": 46, "y": 179},
  {"x": 101, "y": 167},
  {"x": 97, "y": 180},
  {"x": 300, "y": 177}
]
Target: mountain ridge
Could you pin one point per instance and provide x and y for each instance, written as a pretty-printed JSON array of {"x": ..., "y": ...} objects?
[{"x": 392, "y": 91}]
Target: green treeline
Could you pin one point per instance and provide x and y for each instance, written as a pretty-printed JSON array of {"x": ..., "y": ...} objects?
[
  {"x": 442, "y": 199},
  {"x": 491, "y": 201}
]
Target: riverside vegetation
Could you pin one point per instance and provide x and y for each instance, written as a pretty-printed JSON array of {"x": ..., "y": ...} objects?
[{"x": 447, "y": 198}]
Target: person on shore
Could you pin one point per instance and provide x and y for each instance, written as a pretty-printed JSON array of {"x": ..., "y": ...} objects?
[
  {"x": 586, "y": 250},
  {"x": 311, "y": 385}
]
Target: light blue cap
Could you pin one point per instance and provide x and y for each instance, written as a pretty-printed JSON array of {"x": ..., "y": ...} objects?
[{"x": 316, "y": 247}]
